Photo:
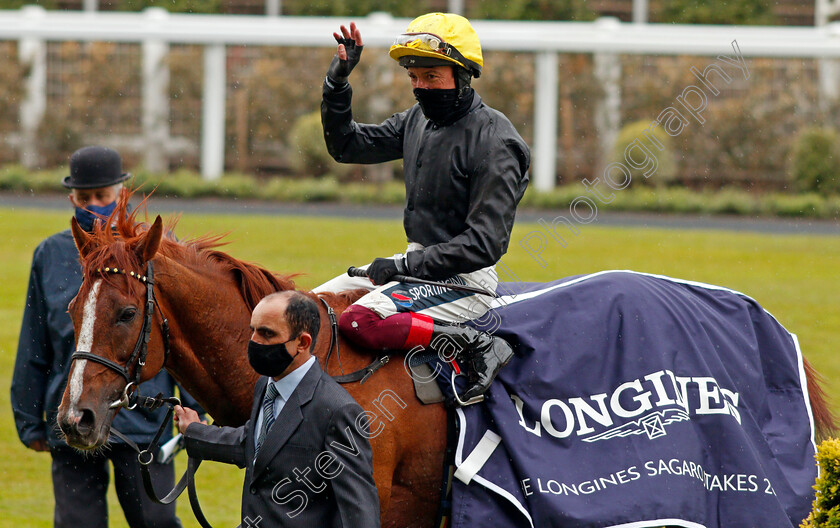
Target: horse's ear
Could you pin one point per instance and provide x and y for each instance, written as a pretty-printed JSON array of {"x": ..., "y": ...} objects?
[
  {"x": 149, "y": 244},
  {"x": 84, "y": 241}
]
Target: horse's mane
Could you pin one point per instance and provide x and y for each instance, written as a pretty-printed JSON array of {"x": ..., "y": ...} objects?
[{"x": 116, "y": 241}]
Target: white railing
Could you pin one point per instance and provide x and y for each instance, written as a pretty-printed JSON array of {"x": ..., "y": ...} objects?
[{"x": 155, "y": 29}]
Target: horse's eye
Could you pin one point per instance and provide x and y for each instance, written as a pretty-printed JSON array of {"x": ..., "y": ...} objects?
[{"x": 127, "y": 315}]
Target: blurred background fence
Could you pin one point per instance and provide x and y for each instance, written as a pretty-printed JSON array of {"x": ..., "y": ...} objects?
[{"x": 241, "y": 93}]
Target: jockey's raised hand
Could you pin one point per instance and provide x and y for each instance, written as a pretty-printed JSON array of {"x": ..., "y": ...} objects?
[{"x": 347, "y": 55}]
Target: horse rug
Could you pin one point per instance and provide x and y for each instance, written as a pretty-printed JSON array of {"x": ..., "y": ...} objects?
[{"x": 636, "y": 400}]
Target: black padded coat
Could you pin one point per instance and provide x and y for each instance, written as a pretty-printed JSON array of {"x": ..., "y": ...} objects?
[{"x": 462, "y": 181}]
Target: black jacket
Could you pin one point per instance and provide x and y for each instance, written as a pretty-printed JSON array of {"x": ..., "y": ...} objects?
[
  {"x": 46, "y": 344},
  {"x": 315, "y": 468},
  {"x": 462, "y": 181}
]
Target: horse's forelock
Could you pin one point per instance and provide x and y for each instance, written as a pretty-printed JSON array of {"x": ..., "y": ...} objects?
[
  {"x": 114, "y": 241},
  {"x": 114, "y": 255}
]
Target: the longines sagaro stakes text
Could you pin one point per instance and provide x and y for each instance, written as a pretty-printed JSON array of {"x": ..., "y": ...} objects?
[
  {"x": 726, "y": 482},
  {"x": 651, "y": 403}
]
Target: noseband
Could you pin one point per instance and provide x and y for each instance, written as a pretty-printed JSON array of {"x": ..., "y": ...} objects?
[{"x": 141, "y": 347}]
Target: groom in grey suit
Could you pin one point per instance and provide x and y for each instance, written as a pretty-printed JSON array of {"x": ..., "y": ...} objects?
[{"x": 307, "y": 461}]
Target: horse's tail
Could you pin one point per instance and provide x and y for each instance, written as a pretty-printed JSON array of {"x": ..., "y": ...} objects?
[{"x": 825, "y": 422}]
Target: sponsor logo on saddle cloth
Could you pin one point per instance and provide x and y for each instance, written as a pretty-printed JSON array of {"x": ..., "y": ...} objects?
[
  {"x": 643, "y": 406},
  {"x": 405, "y": 295},
  {"x": 424, "y": 291},
  {"x": 401, "y": 298}
]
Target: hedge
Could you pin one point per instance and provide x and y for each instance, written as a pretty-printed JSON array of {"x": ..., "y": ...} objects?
[
  {"x": 676, "y": 200},
  {"x": 826, "y": 508}
]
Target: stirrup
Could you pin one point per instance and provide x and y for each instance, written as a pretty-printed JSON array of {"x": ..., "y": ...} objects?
[{"x": 462, "y": 403}]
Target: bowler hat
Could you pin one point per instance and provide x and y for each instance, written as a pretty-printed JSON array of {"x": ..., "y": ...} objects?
[{"x": 94, "y": 167}]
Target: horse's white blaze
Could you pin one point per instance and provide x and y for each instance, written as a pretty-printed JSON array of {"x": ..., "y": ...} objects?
[{"x": 84, "y": 343}]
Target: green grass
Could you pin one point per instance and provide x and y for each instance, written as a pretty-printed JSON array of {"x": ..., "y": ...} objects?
[{"x": 793, "y": 277}]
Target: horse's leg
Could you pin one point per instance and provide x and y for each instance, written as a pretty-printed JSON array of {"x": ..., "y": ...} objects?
[
  {"x": 409, "y": 441},
  {"x": 385, "y": 403},
  {"x": 384, "y": 463},
  {"x": 415, "y": 491}
]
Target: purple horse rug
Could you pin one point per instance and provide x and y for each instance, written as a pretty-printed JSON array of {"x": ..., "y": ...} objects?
[{"x": 636, "y": 401}]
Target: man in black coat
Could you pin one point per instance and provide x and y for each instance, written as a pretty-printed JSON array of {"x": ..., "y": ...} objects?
[
  {"x": 305, "y": 448},
  {"x": 80, "y": 480}
]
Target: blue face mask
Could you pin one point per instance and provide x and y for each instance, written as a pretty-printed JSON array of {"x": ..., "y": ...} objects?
[{"x": 87, "y": 216}]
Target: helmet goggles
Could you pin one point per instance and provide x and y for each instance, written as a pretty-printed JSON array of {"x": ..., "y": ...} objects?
[
  {"x": 425, "y": 41},
  {"x": 430, "y": 42}
]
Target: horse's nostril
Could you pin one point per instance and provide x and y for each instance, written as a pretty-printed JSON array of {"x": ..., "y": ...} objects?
[{"x": 85, "y": 423}]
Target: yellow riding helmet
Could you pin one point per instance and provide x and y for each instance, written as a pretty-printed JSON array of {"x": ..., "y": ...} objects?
[{"x": 445, "y": 36}]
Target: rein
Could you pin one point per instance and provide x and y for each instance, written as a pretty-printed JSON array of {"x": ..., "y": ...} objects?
[
  {"x": 147, "y": 456},
  {"x": 130, "y": 399}
]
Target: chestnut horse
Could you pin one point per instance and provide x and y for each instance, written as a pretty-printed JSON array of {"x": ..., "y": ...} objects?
[{"x": 207, "y": 297}]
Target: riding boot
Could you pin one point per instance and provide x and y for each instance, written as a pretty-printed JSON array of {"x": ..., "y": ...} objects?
[{"x": 481, "y": 354}]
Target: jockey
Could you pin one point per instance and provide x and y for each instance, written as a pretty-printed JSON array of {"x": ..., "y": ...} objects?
[{"x": 466, "y": 168}]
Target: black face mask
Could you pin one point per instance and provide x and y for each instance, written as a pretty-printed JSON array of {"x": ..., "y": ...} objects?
[
  {"x": 270, "y": 360},
  {"x": 444, "y": 107}
]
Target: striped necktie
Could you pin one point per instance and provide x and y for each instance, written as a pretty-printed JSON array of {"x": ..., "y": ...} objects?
[{"x": 268, "y": 414}]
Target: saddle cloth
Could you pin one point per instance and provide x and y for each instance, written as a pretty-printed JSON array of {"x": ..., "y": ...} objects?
[{"x": 635, "y": 401}]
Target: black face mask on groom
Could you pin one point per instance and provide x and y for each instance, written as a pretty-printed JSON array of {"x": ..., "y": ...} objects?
[{"x": 270, "y": 360}]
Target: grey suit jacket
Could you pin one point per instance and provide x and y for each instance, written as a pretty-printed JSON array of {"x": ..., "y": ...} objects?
[{"x": 315, "y": 468}]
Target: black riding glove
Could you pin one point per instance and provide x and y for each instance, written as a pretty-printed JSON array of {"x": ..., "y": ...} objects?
[
  {"x": 339, "y": 70},
  {"x": 381, "y": 270}
]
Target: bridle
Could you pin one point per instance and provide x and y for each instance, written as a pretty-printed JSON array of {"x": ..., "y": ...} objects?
[
  {"x": 130, "y": 399},
  {"x": 141, "y": 347}
]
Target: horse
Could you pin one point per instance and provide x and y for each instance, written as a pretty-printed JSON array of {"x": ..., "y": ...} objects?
[{"x": 207, "y": 297}]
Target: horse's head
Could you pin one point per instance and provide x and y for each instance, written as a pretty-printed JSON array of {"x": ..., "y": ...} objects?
[{"x": 113, "y": 315}]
